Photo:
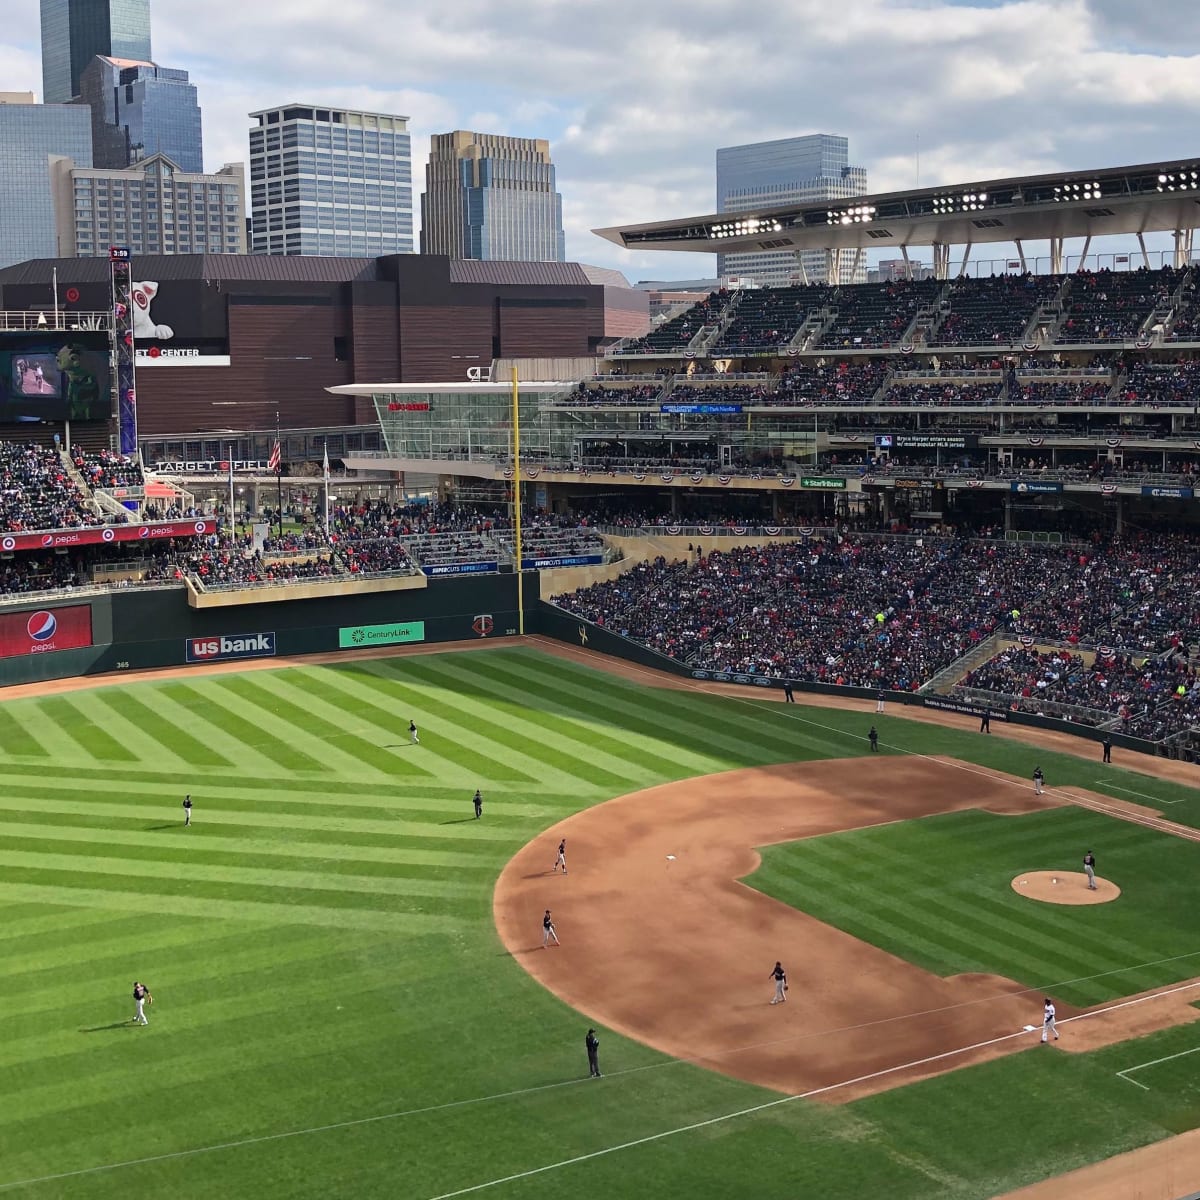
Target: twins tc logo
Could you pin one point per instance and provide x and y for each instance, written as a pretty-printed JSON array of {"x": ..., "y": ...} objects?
[
  {"x": 42, "y": 626},
  {"x": 483, "y": 624}
]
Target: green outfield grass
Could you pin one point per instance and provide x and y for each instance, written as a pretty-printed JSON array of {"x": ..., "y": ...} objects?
[{"x": 324, "y": 964}]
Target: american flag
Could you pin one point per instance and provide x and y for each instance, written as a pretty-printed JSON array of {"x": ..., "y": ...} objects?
[{"x": 273, "y": 462}]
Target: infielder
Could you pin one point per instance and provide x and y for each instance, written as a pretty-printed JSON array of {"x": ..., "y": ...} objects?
[
  {"x": 880, "y": 697},
  {"x": 780, "y": 977},
  {"x": 1038, "y": 781},
  {"x": 548, "y": 930},
  {"x": 141, "y": 997},
  {"x": 1089, "y": 865},
  {"x": 1048, "y": 1025},
  {"x": 412, "y": 733},
  {"x": 561, "y": 860}
]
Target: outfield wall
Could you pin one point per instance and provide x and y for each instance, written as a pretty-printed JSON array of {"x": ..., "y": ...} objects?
[
  {"x": 142, "y": 629},
  {"x": 555, "y": 623}
]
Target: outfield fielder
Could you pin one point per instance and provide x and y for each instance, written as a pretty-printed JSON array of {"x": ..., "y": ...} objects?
[
  {"x": 412, "y": 733},
  {"x": 141, "y": 997},
  {"x": 1048, "y": 1025}
]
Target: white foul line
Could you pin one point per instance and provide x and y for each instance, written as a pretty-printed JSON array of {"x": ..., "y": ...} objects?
[{"x": 1153, "y": 1063}]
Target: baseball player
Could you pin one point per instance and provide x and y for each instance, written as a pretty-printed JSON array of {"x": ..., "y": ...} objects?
[
  {"x": 780, "y": 977},
  {"x": 412, "y": 733},
  {"x": 1107, "y": 747},
  {"x": 788, "y": 697},
  {"x": 141, "y": 997},
  {"x": 561, "y": 860},
  {"x": 985, "y": 721},
  {"x": 880, "y": 697},
  {"x": 873, "y": 738},
  {"x": 1038, "y": 781},
  {"x": 548, "y": 930},
  {"x": 1089, "y": 865},
  {"x": 593, "y": 1051},
  {"x": 187, "y": 811},
  {"x": 478, "y": 801},
  {"x": 1048, "y": 1025}
]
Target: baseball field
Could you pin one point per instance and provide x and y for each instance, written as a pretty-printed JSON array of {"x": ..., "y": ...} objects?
[{"x": 351, "y": 997}]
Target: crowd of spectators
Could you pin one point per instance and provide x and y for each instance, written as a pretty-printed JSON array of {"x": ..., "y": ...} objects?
[
  {"x": 36, "y": 491},
  {"x": 942, "y": 395},
  {"x": 108, "y": 469},
  {"x": 1059, "y": 392},
  {"x": 1108, "y": 306},
  {"x": 822, "y": 382},
  {"x": 597, "y": 395},
  {"x": 216, "y": 568},
  {"x": 995, "y": 309},
  {"x": 768, "y": 318},
  {"x": 1172, "y": 384},
  {"x": 871, "y": 612}
]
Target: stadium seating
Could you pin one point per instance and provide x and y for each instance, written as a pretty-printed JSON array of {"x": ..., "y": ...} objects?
[
  {"x": 993, "y": 310},
  {"x": 36, "y": 492},
  {"x": 1107, "y": 306},
  {"x": 768, "y": 318},
  {"x": 673, "y": 336},
  {"x": 877, "y": 315},
  {"x": 1166, "y": 384},
  {"x": 106, "y": 469}
]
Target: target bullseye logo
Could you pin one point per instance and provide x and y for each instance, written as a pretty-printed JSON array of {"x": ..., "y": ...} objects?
[
  {"x": 108, "y": 535},
  {"x": 9, "y": 543},
  {"x": 42, "y": 626}
]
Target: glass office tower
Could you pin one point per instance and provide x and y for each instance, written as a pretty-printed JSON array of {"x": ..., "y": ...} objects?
[
  {"x": 491, "y": 197},
  {"x": 75, "y": 31},
  {"x": 31, "y": 136},
  {"x": 788, "y": 171},
  {"x": 330, "y": 181},
  {"x": 140, "y": 109}
]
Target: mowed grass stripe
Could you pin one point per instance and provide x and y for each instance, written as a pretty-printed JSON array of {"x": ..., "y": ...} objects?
[
  {"x": 237, "y": 737},
  {"x": 246, "y": 875},
  {"x": 630, "y": 752},
  {"x": 280, "y": 896},
  {"x": 16, "y": 737},
  {"x": 173, "y": 739},
  {"x": 740, "y": 734},
  {"x": 184, "y": 706},
  {"x": 234, "y": 829},
  {"x": 126, "y": 731},
  {"x": 392, "y": 726},
  {"x": 75, "y": 724},
  {"x": 322, "y": 855},
  {"x": 272, "y": 913},
  {"x": 301, "y": 699},
  {"x": 455, "y": 726},
  {"x": 609, "y": 762},
  {"x": 292, "y": 726}
]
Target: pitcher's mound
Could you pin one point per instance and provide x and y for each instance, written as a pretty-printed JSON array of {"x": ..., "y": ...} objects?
[{"x": 1064, "y": 887}]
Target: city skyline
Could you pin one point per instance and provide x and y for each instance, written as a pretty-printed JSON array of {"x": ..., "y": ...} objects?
[{"x": 981, "y": 91}]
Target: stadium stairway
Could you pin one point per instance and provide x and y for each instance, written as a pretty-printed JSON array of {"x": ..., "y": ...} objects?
[
  {"x": 85, "y": 491},
  {"x": 949, "y": 677}
]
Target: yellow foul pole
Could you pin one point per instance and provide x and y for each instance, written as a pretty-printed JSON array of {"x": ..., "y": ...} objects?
[{"x": 516, "y": 428}]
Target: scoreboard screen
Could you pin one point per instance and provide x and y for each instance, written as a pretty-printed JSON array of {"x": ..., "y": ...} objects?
[{"x": 55, "y": 376}]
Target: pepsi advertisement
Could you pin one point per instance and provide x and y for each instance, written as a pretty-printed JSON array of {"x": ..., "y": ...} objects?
[
  {"x": 46, "y": 630},
  {"x": 55, "y": 376}
]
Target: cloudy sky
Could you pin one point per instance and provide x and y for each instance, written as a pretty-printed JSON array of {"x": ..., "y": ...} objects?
[{"x": 636, "y": 97}]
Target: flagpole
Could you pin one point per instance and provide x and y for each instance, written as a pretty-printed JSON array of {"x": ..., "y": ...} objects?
[
  {"x": 326, "y": 470},
  {"x": 232, "y": 525},
  {"x": 279, "y": 474},
  {"x": 516, "y": 424}
]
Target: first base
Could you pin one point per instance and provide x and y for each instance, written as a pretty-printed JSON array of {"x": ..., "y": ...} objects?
[{"x": 1030, "y": 1028}]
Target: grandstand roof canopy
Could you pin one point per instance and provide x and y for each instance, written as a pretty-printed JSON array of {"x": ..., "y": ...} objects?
[{"x": 1152, "y": 198}]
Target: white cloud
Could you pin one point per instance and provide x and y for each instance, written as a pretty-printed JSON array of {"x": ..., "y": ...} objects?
[{"x": 635, "y": 98}]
